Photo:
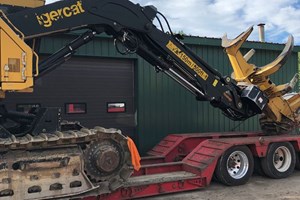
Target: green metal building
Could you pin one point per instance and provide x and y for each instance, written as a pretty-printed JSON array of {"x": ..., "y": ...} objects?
[{"x": 160, "y": 106}]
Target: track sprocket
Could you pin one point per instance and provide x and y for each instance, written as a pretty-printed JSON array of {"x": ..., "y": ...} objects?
[{"x": 108, "y": 159}]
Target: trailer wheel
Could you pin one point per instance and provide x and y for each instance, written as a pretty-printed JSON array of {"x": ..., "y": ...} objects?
[
  {"x": 235, "y": 166},
  {"x": 280, "y": 160},
  {"x": 297, "y": 161}
]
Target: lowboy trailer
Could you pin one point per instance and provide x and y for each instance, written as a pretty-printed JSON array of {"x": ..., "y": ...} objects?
[{"x": 186, "y": 162}]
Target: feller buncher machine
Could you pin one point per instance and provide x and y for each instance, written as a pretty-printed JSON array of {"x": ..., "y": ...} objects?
[{"x": 42, "y": 157}]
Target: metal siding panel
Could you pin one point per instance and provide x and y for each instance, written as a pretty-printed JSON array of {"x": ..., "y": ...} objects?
[{"x": 100, "y": 46}]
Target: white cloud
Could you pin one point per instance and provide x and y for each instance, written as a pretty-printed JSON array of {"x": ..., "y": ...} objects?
[{"x": 212, "y": 18}]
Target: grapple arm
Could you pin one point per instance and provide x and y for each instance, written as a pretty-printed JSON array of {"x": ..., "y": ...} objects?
[{"x": 132, "y": 26}]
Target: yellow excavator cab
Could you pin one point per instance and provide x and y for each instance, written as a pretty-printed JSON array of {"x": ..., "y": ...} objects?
[{"x": 23, "y": 3}]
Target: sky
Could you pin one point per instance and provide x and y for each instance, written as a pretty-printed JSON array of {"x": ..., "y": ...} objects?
[{"x": 214, "y": 18}]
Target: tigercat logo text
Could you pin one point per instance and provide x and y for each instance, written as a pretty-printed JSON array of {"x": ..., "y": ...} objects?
[{"x": 47, "y": 19}]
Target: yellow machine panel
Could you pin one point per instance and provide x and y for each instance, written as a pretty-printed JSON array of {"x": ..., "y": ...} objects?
[
  {"x": 24, "y": 3},
  {"x": 16, "y": 60}
]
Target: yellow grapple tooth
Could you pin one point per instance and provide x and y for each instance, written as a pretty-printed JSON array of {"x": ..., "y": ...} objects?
[
  {"x": 242, "y": 70},
  {"x": 294, "y": 102},
  {"x": 238, "y": 41},
  {"x": 285, "y": 88},
  {"x": 274, "y": 66},
  {"x": 249, "y": 54}
]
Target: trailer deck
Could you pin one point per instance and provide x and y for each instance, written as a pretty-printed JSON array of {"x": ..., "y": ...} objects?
[{"x": 185, "y": 162}]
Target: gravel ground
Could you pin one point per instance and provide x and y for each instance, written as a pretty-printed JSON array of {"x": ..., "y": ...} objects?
[{"x": 257, "y": 188}]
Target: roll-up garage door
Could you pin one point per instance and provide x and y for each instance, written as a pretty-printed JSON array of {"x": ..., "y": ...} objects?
[{"x": 95, "y": 92}]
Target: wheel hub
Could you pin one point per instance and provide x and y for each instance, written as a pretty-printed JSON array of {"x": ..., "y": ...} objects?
[
  {"x": 282, "y": 159},
  {"x": 237, "y": 164},
  {"x": 107, "y": 158},
  {"x": 103, "y": 159}
]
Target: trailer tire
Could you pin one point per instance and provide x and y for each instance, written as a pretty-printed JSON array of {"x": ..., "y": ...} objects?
[
  {"x": 280, "y": 160},
  {"x": 257, "y": 167},
  {"x": 235, "y": 166},
  {"x": 297, "y": 161}
]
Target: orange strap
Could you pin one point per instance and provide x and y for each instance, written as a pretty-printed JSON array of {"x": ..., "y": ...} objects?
[{"x": 135, "y": 156}]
